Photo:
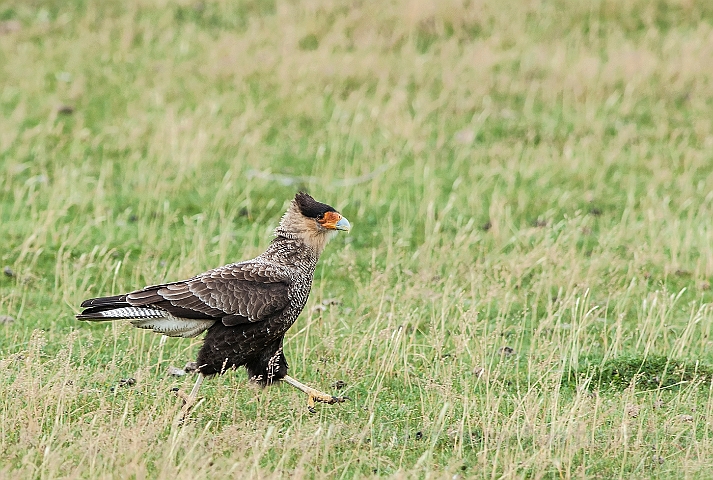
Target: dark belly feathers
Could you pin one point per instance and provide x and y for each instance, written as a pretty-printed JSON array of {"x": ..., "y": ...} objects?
[{"x": 257, "y": 347}]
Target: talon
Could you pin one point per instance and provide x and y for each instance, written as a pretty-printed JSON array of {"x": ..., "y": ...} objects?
[
  {"x": 314, "y": 395},
  {"x": 334, "y": 400},
  {"x": 189, "y": 406},
  {"x": 182, "y": 395},
  {"x": 190, "y": 402}
]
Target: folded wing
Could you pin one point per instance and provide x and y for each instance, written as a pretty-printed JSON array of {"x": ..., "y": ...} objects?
[{"x": 233, "y": 294}]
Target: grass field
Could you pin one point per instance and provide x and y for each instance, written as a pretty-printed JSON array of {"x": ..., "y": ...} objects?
[{"x": 526, "y": 291}]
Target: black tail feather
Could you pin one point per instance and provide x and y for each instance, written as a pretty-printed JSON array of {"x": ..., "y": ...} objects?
[
  {"x": 101, "y": 304},
  {"x": 114, "y": 302}
]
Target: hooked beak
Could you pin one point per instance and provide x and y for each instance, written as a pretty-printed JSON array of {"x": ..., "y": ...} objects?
[{"x": 343, "y": 224}]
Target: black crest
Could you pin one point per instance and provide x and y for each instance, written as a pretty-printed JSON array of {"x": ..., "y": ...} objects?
[{"x": 310, "y": 207}]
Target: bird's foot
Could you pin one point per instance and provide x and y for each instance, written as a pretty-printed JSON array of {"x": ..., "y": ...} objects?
[
  {"x": 313, "y": 395},
  {"x": 182, "y": 395},
  {"x": 317, "y": 396},
  {"x": 189, "y": 404}
]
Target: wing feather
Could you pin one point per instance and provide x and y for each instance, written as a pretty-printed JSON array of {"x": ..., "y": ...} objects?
[{"x": 236, "y": 293}]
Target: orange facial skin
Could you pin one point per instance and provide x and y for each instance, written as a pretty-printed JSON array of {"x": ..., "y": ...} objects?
[{"x": 334, "y": 221}]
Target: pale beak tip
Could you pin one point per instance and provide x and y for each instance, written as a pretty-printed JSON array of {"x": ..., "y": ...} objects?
[{"x": 343, "y": 224}]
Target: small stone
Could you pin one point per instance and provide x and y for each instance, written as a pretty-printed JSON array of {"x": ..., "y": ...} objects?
[
  {"x": 127, "y": 382},
  {"x": 633, "y": 410},
  {"x": 419, "y": 435},
  {"x": 6, "y": 319},
  {"x": 506, "y": 351},
  {"x": 191, "y": 367},
  {"x": 8, "y": 272},
  {"x": 339, "y": 384},
  {"x": 175, "y": 371},
  {"x": 65, "y": 109},
  {"x": 685, "y": 418}
]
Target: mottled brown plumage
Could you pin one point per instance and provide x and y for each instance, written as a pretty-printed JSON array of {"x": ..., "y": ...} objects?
[{"x": 245, "y": 307}]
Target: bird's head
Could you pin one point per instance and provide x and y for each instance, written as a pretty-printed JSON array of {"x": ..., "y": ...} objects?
[{"x": 313, "y": 222}]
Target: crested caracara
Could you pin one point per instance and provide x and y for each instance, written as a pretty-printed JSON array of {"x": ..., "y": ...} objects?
[{"x": 245, "y": 307}]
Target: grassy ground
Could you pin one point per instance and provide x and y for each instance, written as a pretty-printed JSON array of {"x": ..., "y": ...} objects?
[{"x": 526, "y": 290}]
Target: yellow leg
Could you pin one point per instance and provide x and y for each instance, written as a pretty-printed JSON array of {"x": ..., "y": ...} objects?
[{"x": 314, "y": 395}]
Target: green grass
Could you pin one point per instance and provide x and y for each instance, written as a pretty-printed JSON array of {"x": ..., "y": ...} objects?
[{"x": 531, "y": 175}]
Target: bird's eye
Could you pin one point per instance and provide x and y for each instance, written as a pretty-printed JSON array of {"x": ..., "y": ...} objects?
[{"x": 320, "y": 216}]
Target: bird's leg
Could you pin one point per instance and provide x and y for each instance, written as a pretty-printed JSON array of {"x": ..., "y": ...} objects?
[
  {"x": 189, "y": 401},
  {"x": 313, "y": 395}
]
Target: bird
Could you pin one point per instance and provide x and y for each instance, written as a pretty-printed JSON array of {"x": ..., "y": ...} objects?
[{"x": 245, "y": 308}]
